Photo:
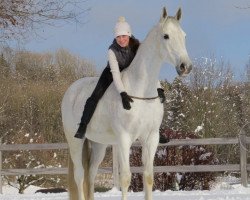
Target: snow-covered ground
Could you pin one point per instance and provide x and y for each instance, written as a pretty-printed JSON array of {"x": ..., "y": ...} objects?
[{"x": 222, "y": 191}]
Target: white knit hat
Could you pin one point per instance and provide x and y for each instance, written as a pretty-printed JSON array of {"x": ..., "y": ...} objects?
[{"x": 122, "y": 27}]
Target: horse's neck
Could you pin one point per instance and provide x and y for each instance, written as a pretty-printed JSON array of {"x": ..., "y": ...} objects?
[{"x": 141, "y": 77}]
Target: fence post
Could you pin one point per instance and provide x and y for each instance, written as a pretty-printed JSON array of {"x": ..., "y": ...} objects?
[
  {"x": 243, "y": 158},
  {"x": 115, "y": 167},
  {"x": 1, "y": 182}
]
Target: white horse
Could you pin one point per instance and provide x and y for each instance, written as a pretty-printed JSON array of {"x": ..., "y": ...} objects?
[{"x": 112, "y": 124}]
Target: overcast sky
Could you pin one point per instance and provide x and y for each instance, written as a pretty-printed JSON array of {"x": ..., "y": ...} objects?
[{"x": 213, "y": 27}]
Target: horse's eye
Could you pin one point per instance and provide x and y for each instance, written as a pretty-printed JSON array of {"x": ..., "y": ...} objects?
[{"x": 166, "y": 36}]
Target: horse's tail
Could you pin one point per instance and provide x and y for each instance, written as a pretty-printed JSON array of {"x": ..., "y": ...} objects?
[{"x": 73, "y": 193}]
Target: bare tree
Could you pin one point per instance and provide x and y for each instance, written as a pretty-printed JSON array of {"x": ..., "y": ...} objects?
[{"x": 19, "y": 18}]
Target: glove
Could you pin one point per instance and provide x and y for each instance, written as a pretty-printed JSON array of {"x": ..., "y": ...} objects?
[
  {"x": 126, "y": 100},
  {"x": 161, "y": 95}
]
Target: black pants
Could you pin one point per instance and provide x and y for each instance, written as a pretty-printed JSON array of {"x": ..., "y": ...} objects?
[{"x": 103, "y": 83}]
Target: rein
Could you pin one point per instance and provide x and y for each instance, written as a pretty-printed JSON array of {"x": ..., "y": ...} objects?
[{"x": 144, "y": 98}]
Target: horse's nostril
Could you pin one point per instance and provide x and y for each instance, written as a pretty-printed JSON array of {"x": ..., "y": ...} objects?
[{"x": 182, "y": 67}]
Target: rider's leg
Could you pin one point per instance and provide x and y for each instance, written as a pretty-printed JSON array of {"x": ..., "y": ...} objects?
[{"x": 103, "y": 83}]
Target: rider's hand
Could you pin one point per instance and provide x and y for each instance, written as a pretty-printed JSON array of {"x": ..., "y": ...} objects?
[
  {"x": 126, "y": 100},
  {"x": 161, "y": 94}
]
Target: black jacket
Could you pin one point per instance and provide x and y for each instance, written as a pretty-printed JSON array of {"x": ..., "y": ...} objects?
[{"x": 125, "y": 55}]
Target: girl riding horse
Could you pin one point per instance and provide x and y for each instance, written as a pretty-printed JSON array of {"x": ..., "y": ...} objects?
[{"x": 120, "y": 54}]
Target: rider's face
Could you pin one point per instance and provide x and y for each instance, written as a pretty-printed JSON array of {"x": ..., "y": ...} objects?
[{"x": 122, "y": 40}]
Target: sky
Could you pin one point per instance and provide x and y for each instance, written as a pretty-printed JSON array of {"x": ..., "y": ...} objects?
[{"x": 214, "y": 28}]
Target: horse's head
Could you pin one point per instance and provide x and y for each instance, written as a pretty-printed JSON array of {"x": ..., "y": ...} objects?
[{"x": 172, "y": 42}]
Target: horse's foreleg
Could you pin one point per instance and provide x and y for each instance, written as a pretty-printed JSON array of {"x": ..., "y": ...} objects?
[
  {"x": 148, "y": 153},
  {"x": 125, "y": 174},
  {"x": 97, "y": 154}
]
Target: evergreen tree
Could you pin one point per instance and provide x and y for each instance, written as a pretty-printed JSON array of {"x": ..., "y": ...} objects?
[{"x": 178, "y": 107}]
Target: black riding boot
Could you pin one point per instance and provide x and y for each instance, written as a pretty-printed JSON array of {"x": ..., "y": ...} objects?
[
  {"x": 87, "y": 114},
  {"x": 81, "y": 131}
]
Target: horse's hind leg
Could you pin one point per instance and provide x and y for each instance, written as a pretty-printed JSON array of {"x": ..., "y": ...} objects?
[
  {"x": 76, "y": 157},
  {"x": 148, "y": 153},
  {"x": 97, "y": 154}
]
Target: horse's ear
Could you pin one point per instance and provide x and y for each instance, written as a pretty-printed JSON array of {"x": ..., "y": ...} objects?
[
  {"x": 164, "y": 14},
  {"x": 178, "y": 14}
]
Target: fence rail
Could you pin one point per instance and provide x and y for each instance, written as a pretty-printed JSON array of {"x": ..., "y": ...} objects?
[{"x": 243, "y": 167}]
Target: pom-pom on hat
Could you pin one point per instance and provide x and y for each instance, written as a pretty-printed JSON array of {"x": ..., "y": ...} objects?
[{"x": 122, "y": 27}]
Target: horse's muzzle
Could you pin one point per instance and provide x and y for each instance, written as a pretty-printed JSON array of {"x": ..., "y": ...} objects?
[{"x": 184, "y": 69}]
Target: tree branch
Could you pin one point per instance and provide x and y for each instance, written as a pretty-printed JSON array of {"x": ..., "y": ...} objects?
[{"x": 19, "y": 18}]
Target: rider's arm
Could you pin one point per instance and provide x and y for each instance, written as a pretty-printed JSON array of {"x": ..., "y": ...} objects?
[{"x": 114, "y": 68}]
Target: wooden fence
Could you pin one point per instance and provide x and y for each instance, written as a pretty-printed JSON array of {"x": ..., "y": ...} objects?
[{"x": 243, "y": 167}]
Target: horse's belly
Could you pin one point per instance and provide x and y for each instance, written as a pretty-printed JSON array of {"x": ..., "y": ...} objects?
[
  {"x": 99, "y": 130},
  {"x": 111, "y": 119},
  {"x": 102, "y": 137}
]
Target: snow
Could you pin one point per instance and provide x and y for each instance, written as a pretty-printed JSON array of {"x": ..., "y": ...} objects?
[
  {"x": 222, "y": 191},
  {"x": 205, "y": 156},
  {"x": 199, "y": 128}
]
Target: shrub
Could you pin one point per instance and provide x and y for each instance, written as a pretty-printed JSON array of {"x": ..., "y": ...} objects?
[{"x": 170, "y": 156}]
